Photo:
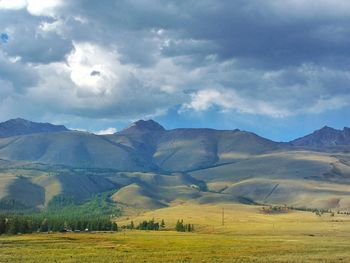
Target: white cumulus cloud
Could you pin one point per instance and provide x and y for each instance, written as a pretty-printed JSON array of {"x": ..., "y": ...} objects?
[
  {"x": 94, "y": 69},
  {"x": 229, "y": 100},
  {"x": 13, "y": 4},
  {"x": 34, "y": 7},
  {"x": 106, "y": 131}
]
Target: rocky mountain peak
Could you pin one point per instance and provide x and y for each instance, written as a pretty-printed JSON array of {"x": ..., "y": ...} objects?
[{"x": 144, "y": 126}]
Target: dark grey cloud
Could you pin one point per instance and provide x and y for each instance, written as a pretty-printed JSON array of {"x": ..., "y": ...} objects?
[
  {"x": 128, "y": 59},
  {"x": 16, "y": 74},
  {"x": 260, "y": 34},
  {"x": 29, "y": 39}
]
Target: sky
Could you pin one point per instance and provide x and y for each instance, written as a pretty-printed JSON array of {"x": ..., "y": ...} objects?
[{"x": 279, "y": 68}]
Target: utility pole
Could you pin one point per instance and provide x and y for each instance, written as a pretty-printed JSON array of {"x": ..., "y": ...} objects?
[{"x": 223, "y": 216}]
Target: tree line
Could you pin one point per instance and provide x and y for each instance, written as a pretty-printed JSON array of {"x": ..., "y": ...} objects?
[
  {"x": 284, "y": 208},
  {"x": 155, "y": 226},
  {"x": 24, "y": 224}
]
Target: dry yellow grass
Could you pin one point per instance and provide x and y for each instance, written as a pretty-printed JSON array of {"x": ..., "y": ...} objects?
[
  {"x": 247, "y": 236},
  {"x": 246, "y": 220},
  {"x": 137, "y": 246}
]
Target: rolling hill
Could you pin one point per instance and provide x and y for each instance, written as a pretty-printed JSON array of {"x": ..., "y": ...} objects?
[{"x": 148, "y": 167}]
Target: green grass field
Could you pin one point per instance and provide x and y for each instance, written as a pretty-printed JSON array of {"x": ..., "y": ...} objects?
[
  {"x": 137, "y": 246},
  {"x": 247, "y": 236}
]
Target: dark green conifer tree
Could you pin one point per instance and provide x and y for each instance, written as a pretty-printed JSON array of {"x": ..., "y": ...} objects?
[
  {"x": 44, "y": 227},
  {"x": 2, "y": 225},
  {"x": 114, "y": 227}
]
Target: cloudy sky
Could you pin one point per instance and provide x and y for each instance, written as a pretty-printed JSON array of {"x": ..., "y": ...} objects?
[{"x": 280, "y": 68}]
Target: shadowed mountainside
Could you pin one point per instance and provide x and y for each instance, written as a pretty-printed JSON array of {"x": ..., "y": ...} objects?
[
  {"x": 20, "y": 126},
  {"x": 148, "y": 167},
  {"x": 190, "y": 149},
  {"x": 326, "y": 136}
]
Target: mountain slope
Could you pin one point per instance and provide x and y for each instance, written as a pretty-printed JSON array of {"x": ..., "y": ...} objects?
[
  {"x": 324, "y": 137},
  {"x": 19, "y": 126},
  {"x": 147, "y": 167},
  {"x": 144, "y": 146},
  {"x": 190, "y": 149},
  {"x": 76, "y": 149}
]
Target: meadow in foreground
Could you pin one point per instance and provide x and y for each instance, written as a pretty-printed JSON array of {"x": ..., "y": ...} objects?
[{"x": 247, "y": 236}]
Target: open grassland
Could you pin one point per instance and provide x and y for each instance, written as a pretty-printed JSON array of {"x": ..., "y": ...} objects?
[
  {"x": 245, "y": 220},
  {"x": 136, "y": 246},
  {"x": 247, "y": 236}
]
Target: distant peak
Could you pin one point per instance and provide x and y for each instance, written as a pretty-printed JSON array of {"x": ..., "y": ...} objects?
[
  {"x": 326, "y": 128},
  {"x": 19, "y": 126},
  {"x": 326, "y": 136},
  {"x": 148, "y": 124},
  {"x": 18, "y": 120},
  {"x": 144, "y": 126}
]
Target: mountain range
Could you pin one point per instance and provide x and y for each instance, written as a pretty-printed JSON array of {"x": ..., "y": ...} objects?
[{"x": 147, "y": 166}]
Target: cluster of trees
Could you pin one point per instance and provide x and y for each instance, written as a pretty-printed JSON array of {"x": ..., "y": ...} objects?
[
  {"x": 181, "y": 227},
  {"x": 146, "y": 225},
  {"x": 317, "y": 211},
  {"x": 275, "y": 209},
  {"x": 150, "y": 225},
  {"x": 282, "y": 209},
  {"x": 11, "y": 205},
  {"x": 98, "y": 205},
  {"x": 153, "y": 225},
  {"x": 63, "y": 213},
  {"x": 343, "y": 213},
  {"x": 313, "y": 210},
  {"x": 320, "y": 212},
  {"x": 14, "y": 224}
]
